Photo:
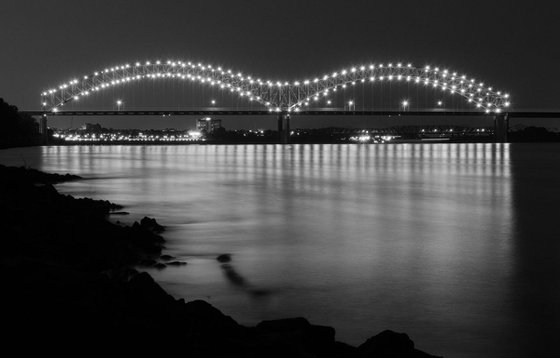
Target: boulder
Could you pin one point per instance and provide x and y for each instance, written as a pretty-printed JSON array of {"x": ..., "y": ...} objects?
[
  {"x": 176, "y": 263},
  {"x": 152, "y": 225},
  {"x": 160, "y": 265},
  {"x": 389, "y": 344},
  {"x": 224, "y": 258}
]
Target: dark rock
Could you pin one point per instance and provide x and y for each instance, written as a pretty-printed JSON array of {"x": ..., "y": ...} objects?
[
  {"x": 224, "y": 258},
  {"x": 283, "y": 325},
  {"x": 64, "y": 251},
  {"x": 176, "y": 263},
  {"x": 389, "y": 344},
  {"x": 152, "y": 225},
  {"x": 119, "y": 213},
  {"x": 147, "y": 262}
]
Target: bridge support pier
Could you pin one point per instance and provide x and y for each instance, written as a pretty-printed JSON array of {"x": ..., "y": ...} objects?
[
  {"x": 501, "y": 128},
  {"x": 284, "y": 128},
  {"x": 44, "y": 128}
]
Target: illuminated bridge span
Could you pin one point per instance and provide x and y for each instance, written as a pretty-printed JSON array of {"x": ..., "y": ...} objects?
[{"x": 278, "y": 96}]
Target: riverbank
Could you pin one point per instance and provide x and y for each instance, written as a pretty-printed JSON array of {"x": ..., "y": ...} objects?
[{"x": 69, "y": 276}]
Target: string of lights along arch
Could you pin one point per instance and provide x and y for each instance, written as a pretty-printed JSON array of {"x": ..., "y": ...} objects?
[{"x": 278, "y": 96}]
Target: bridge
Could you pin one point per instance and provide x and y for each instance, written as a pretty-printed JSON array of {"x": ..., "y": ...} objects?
[{"x": 286, "y": 98}]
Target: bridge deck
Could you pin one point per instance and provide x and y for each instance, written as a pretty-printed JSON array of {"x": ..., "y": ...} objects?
[{"x": 317, "y": 112}]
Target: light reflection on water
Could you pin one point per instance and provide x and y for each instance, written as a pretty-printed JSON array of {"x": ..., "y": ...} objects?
[{"x": 418, "y": 238}]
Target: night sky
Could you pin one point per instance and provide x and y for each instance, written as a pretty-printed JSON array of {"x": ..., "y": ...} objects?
[{"x": 512, "y": 46}]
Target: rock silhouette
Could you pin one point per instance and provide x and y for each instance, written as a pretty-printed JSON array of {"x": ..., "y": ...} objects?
[{"x": 68, "y": 281}]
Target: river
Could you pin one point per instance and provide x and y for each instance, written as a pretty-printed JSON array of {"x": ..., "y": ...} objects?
[{"x": 456, "y": 244}]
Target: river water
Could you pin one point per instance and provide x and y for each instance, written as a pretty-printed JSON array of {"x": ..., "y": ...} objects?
[{"x": 456, "y": 244}]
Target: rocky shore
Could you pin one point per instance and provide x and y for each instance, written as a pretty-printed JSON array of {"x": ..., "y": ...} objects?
[{"x": 68, "y": 278}]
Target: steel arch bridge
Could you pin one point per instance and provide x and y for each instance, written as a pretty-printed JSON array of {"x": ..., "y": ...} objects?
[{"x": 277, "y": 96}]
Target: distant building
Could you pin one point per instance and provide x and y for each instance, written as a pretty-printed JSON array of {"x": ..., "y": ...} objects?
[
  {"x": 92, "y": 128},
  {"x": 208, "y": 124}
]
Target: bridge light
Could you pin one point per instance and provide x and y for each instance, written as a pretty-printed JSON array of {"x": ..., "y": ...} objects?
[
  {"x": 409, "y": 65},
  {"x": 55, "y": 110},
  {"x": 507, "y": 104}
]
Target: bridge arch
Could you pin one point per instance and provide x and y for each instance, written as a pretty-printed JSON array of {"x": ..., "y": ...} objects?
[{"x": 278, "y": 96}]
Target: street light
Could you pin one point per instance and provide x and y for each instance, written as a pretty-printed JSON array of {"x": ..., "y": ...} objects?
[
  {"x": 440, "y": 103},
  {"x": 351, "y": 105},
  {"x": 119, "y": 103},
  {"x": 213, "y": 102},
  {"x": 405, "y": 104}
]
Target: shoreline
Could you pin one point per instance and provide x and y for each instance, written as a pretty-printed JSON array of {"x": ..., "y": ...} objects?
[{"x": 69, "y": 273}]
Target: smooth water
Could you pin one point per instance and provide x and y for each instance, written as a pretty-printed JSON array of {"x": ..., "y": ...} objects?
[{"x": 456, "y": 244}]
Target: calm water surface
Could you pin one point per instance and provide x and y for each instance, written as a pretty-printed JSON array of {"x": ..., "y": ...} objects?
[{"x": 456, "y": 244}]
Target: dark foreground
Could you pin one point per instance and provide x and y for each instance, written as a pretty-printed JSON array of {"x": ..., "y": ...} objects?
[{"x": 68, "y": 280}]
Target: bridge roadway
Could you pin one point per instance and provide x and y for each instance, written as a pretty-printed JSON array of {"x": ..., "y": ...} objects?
[
  {"x": 311, "y": 112},
  {"x": 501, "y": 120}
]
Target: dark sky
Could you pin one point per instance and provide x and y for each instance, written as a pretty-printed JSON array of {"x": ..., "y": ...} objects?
[{"x": 511, "y": 45}]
